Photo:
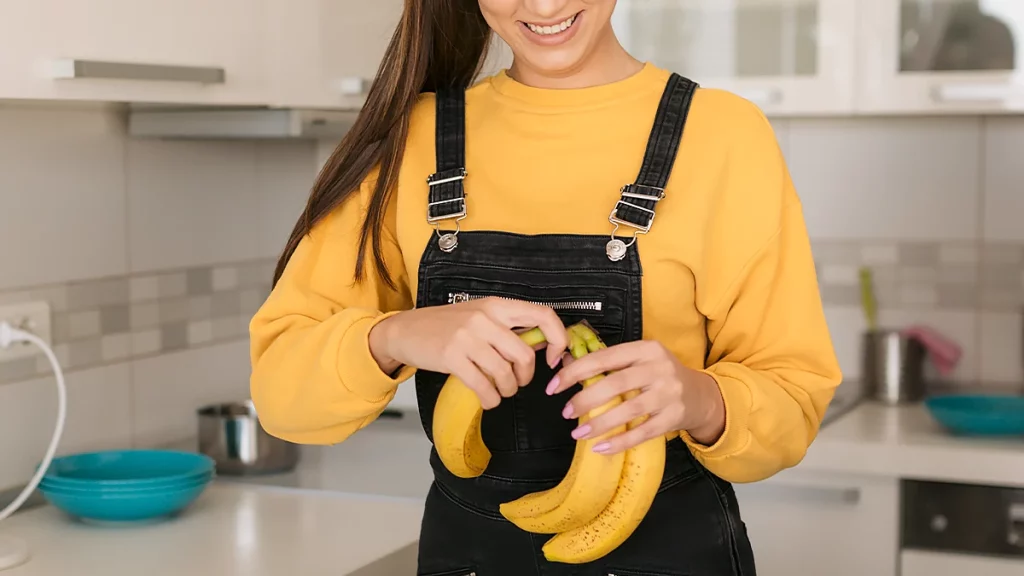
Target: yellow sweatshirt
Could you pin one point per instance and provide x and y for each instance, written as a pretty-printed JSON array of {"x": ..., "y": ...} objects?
[{"x": 727, "y": 266}]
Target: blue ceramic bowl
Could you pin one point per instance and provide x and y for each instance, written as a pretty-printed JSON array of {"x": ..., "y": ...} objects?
[
  {"x": 126, "y": 507},
  {"x": 978, "y": 414},
  {"x": 127, "y": 468},
  {"x": 101, "y": 489}
]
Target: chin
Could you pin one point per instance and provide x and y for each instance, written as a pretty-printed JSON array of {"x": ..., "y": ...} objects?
[{"x": 554, "y": 62}]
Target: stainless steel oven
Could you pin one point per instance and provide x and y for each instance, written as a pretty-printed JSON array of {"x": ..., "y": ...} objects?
[{"x": 961, "y": 529}]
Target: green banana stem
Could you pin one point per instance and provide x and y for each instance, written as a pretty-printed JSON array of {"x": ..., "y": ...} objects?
[
  {"x": 588, "y": 335},
  {"x": 577, "y": 346}
]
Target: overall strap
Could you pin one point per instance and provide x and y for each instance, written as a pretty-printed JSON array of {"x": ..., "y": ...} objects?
[
  {"x": 635, "y": 207},
  {"x": 447, "y": 198}
]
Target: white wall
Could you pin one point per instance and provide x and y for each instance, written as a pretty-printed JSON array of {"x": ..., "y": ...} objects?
[{"x": 154, "y": 255}]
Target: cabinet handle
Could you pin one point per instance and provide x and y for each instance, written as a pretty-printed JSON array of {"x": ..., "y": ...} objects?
[
  {"x": 803, "y": 492},
  {"x": 977, "y": 92},
  {"x": 69, "y": 68},
  {"x": 353, "y": 86},
  {"x": 1015, "y": 528}
]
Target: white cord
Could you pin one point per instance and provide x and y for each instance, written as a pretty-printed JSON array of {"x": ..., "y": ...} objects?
[{"x": 10, "y": 335}]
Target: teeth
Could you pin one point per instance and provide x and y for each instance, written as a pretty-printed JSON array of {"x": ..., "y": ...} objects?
[{"x": 546, "y": 30}]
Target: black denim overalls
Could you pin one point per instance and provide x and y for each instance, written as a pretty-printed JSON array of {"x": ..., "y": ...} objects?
[{"x": 693, "y": 527}]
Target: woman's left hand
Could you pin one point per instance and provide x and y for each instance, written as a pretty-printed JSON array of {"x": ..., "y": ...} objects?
[{"x": 673, "y": 396}]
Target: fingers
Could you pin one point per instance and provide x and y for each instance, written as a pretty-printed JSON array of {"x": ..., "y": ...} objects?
[
  {"x": 610, "y": 359},
  {"x": 605, "y": 390},
  {"x": 621, "y": 415},
  {"x": 656, "y": 425},
  {"x": 474, "y": 379},
  {"x": 513, "y": 314},
  {"x": 517, "y": 355},
  {"x": 497, "y": 368}
]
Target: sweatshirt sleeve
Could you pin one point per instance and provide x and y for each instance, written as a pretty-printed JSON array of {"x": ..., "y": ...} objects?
[
  {"x": 313, "y": 379},
  {"x": 770, "y": 349}
]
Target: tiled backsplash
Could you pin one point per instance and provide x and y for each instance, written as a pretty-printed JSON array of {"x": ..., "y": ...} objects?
[
  {"x": 929, "y": 275},
  {"x": 111, "y": 320}
]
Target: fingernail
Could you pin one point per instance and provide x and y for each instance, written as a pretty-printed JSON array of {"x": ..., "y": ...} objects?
[
  {"x": 553, "y": 362},
  {"x": 567, "y": 411},
  {"x": 602, "y": 447},
  {"x": 581, "y": 431},
  {"x": 552, "y": 386}
]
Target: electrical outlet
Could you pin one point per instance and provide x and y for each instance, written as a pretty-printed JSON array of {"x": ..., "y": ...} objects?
[{"x": 32, "y": 317}]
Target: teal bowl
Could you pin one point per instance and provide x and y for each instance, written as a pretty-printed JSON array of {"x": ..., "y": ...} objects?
[
  {"x": 979, "y": 415},
  {"x": 100, "y": 489},
  {"x": 126, "y": 507},
  {"x": 127, "y": 468}
]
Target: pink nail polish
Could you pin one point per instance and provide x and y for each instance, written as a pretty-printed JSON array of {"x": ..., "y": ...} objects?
[
  {"x": 568, "y": 411},
  {"x": 552, "y": 385},
  {"x": 581, "y": 432},
  {"x": 602, "y": 447}
]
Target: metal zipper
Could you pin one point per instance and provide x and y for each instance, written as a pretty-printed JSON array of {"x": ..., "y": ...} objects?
[{"x": 595, "y": 305}]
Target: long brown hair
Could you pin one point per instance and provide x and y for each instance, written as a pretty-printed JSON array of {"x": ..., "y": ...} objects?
[{"x": 438, "y": 44}]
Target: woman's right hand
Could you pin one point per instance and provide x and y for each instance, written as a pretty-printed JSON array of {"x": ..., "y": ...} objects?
[{"x": 475, "y": 341}]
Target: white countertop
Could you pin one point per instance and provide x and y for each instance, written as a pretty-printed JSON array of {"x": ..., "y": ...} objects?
[
  {"x": 348, "y": 505},
  {"x": 232, "y": 529},
  {"x": 906, "y": 442}
]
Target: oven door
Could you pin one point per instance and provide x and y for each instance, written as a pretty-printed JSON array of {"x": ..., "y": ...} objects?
[{"x": 960, "y": 529}]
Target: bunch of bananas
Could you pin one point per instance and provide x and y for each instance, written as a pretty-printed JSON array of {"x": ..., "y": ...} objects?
[{"x": 602, "y": 498}]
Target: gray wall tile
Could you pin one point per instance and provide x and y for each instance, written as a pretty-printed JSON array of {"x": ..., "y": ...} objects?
[
  {"x": 115, "y": 319},
  {"x": 173, "y": 285},
  {"x": 226, "y": 304},
  {"x": 174, "y": 336},
  {"x": 174, "y": 310},
  {"x": 199, "y": 281}
]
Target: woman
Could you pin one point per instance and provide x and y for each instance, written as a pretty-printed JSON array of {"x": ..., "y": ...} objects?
[{"x": 449, "y": 218}]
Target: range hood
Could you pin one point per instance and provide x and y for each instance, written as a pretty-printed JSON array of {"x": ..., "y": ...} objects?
[{"x": 239, "y": 124}]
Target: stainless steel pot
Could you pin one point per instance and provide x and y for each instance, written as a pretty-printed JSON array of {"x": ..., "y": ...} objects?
[
  {"x": 892, "y": 367},
  {"x": 231, "y": 434}
]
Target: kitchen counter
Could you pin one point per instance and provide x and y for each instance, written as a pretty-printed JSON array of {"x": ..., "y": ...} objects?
[
  {"x": 354, "y": 509},
  {"x": 906, "y": 442},
  {"x": 232, "y": 529}
]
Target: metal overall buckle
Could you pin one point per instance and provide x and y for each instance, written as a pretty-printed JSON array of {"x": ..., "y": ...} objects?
[
  {"x": 616, "y": 249},
  {"x": 447, "y": 241}
]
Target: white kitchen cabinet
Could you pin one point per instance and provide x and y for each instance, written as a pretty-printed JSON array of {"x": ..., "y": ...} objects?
[
  {"x": 812, "y": 524},
  {"x": 949, "y": 56},
  {"x": 790, "y": 57},
  {"x": 180, "y": 51},
  {"x": 325, "y": 53}
]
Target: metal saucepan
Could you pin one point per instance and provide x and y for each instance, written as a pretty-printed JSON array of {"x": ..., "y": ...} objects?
[
  {"x": 231, "y": 434},
  {"x": 892, "y": 366}
]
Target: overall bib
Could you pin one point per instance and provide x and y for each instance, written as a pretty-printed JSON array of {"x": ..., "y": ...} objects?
[{"x": 693, "y": 527}]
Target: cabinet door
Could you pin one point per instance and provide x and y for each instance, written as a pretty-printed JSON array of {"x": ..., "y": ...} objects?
[
  {"x": 942, "y": 56},
  {"x": 180, "y": 51},
  {"x": 326, "y": 52},
  {"x": 801, "y": 524},
  {"x": 787, "y": 56}
]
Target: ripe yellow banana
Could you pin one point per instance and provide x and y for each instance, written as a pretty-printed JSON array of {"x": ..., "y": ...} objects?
[
  {"x": 588, "y": 486},
  {"x": 456, "y": 426},
  {"x": 638, "y": 485},
  {"x": 539, "y": 503}
]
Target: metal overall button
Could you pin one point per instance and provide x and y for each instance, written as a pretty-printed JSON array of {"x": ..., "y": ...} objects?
[
  {"x": 616, "y": 249},
  {"x": 447, "y": 241}
]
